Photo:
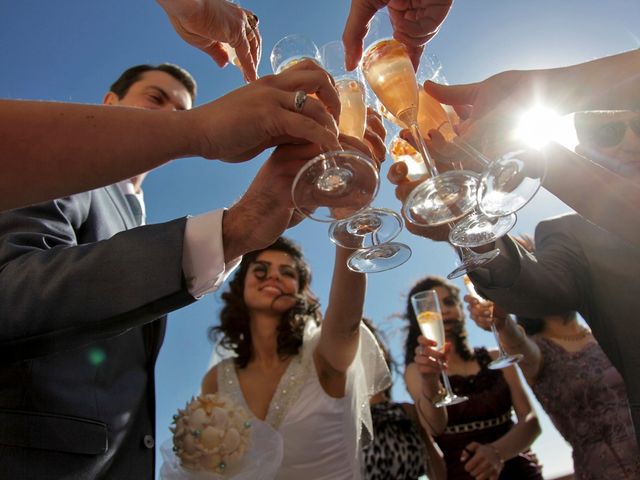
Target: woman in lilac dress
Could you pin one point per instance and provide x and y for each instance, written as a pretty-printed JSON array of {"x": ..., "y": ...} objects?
[{"x": 577, "y": 386}]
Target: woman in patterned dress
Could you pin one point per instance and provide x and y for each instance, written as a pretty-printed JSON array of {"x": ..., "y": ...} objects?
[
  {"x": 401, "y": 448},
  {"x": 576, "y": 384},
  {"x": 308, "y": 379},
  {"x": 480, "y": 441}
]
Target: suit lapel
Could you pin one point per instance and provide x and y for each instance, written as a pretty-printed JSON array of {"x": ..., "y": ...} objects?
[{"x": 122, "y": 206}]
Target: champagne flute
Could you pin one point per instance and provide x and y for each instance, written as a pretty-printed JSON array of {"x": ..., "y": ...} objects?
[
  {"x": 433, "y": 116},
  {"x": 372, "y": 230},
  {"x": 476, "y": 228},
  {"x": 334, "y": 185},
  {"x": 426, "y": 307},
  {"x": 504, "y": 360},
  {"x": 439, "y": 199}
]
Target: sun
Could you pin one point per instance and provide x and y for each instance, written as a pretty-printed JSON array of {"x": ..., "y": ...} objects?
[{"x": 541, "y": 125}]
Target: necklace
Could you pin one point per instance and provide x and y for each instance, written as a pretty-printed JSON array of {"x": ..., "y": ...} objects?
[{"x": 576, "y": 337}]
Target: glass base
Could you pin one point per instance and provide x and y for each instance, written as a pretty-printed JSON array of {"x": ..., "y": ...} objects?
[
  {"x": 371, "y": 227},
  {"x": 506, "y": 361},
  {"x": 510, "y": 182},
  {"x": 442, "y": 199},
  {"x": 450, "y": 399},
  {"x": 379, "y": 258},
  {"x": 478, "y": 229},
  {"x": 335, "y": 185},
  {"x": 472, "y": 262}
]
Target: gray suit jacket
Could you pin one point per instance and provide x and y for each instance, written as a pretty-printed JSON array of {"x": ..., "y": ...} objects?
[
  {"x": 577, "y": 266},
  {"x": 82, "y": 299}
]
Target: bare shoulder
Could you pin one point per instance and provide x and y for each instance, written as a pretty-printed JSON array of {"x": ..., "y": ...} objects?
[{"x": 210, "y": 381}]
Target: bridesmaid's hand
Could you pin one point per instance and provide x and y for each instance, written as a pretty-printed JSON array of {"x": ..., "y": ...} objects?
[
  {"x": 430, "y": 361},
  {"x": 482, "y": 461}
]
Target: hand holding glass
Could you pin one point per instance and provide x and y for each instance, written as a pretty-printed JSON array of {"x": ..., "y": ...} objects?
[
  {"x": 426, "y": 307},
  {"x": 504, "y": 359}
]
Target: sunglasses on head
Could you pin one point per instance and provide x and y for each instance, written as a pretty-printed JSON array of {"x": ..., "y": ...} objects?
[{"x": 611, "y": 134}]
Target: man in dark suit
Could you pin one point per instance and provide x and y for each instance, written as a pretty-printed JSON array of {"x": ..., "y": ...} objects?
[
  {"x": 579, "y": 266},
  {"x": 83, "y": 294}
]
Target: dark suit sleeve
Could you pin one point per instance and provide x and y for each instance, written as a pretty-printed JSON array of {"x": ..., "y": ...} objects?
[
  {"x": 57, "y": 294},
  {"x": 547, "y": 282}
]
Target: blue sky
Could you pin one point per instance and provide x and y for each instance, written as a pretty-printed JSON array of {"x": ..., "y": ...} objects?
[{"x": 73, "y": 50}]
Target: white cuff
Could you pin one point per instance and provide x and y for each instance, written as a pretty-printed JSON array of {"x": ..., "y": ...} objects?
[{"x": 203, "y": 254}]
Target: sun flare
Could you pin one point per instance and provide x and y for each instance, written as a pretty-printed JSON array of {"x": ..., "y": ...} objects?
[{"x": 541, "y": 125}]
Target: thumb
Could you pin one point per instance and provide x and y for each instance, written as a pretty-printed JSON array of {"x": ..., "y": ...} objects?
[
  {"x": 397, "y": 172},
  {"x": 356, "y": 29},
  {"x": 472, "y": 447},
  {"x": 217, "y": 53},
  {"x": 468, "y": 451},
  {"x": 452, "y": 94}
]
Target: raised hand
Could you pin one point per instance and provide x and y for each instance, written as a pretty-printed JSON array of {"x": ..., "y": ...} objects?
[
  {"x": 484, "y": 313},
  {"x": 397, "y": 175},
  {"x": 266, "y": 208},
  {"x": 429, "y": 360},
  {"x": 414, "y": 23},
  {"x": 246, "y": 121},
  {"x": 206, "y": 24}
]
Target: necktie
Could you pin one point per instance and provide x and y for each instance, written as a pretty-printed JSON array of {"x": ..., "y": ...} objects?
[{"x": 136, "y": 208}]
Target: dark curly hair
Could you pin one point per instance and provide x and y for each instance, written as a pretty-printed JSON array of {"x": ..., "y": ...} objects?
[
  {"x": 413, "y": 330},
  {"x": 234, "y": 332}
]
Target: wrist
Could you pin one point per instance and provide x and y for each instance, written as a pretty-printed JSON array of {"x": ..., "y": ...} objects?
[
  {"x": 512, "y": 335},
  {"x": 500, "y": 459},
  {"x": 233, "y": 234},
  {"x": 180, "y": 129},
  {"x": 435, "y": 394}
]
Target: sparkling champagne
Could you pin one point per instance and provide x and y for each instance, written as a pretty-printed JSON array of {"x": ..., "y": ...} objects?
[
  {"x": 353, "y": 114},
  {"x": 290, "y": 62},
  {"x": 387, "y": 67},
  {"x": 432, "y": 327},
  {"x": 433, "y": 116}
]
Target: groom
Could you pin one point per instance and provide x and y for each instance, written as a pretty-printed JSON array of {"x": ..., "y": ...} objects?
[{"x": 84, "y": 291}]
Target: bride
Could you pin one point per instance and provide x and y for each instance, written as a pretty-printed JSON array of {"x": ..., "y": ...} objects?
[{"x": 306, "y": 376}]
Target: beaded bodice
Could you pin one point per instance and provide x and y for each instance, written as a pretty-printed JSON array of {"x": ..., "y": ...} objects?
[{"x": 286, "y": 393}]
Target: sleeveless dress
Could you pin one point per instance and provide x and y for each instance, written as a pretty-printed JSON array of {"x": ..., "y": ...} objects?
[
  {"x": 320, "y": 434},
  {"x": 397, "y": 450},
  {"x": 585, "y": 397},
  {"x": 483, "y": 419}
]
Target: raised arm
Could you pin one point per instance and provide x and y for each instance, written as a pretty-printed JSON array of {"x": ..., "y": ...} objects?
[
  {"x": 339, "y": 339},
  {"x": 56, "y": 294},
  {"x": 569, "y": 175},
  {"x": 512, "y": 337},
  {"x": 608, "y": 83},
  {"x": 49, "y": 150},
  {"x": 422, "y": 380}
]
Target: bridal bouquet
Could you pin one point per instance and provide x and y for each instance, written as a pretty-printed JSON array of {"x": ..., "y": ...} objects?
[{"x": 211, "y": 434}]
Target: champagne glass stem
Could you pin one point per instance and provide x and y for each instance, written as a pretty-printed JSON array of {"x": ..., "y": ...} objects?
[
  {"x": 445, "y": 380},
  {"x": 374, "y": 236},
  {"x": 422, "y": 148},
  {"x": 462, "y": 252},
  {"x": 472, "y": 152},
  {"x": 501, "y": 351}
]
